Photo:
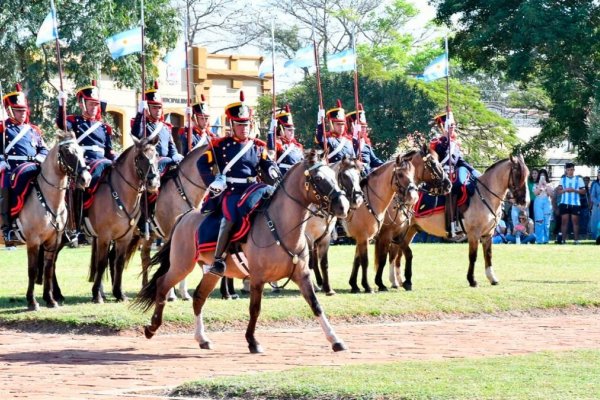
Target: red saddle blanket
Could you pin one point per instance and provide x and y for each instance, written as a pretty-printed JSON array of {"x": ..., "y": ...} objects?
[
  {"x": 428, "y": 204},
  {"x": 21, "y": 182}
]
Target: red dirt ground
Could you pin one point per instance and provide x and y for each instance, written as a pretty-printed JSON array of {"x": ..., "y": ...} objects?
[{"x": 71, "y": 366}]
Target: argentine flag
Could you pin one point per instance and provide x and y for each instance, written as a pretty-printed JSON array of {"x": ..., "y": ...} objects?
[
  {"x": 304, "y": 58},
  {"x": 176, "y": 57},
  {"x": 125, "y": 43},
  {"x": 48, "y": 31},
  {"x": 438, "y": 68},
  {"x": 342, "y": 61}
]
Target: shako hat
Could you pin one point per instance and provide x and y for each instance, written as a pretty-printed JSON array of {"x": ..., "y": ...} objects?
[
  {"x": 360, "y": 114},
  {"x": 284, "y": 117},
  {"x": 336, "y": 114},
  {"x": 16, "y": 99},
  {"x": 152, "y": 96},
  {"x": 238, "y": 112},
  {"x": 201, "y": 107},
  {"x": 89, "y": 92}
]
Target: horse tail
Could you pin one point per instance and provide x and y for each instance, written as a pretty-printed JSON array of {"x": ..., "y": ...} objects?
[
  {"x": 39, "y": 278},
  {"x": 147, "y": 296},
  {"x": 131, "y": 248}
]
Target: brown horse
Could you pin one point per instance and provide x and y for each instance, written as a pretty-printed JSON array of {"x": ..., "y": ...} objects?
[
  {"x": 318, "y": 227},
  {"x": 44, "y": 215},
  {"x": 427, "y": 170},
  {"x": 114, "y": 213},
  {"x": 479, "y": 219},
  {"x": 178, "y": 195},
  {"x": 276, "y": 248}
]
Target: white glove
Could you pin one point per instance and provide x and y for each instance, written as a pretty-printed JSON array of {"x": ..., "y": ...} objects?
[
  {"x": 272, "y": 126},
  {"x": 143, "y": 105},
  {"x": 274, "y": 172},
  {"x": 356, "y": 130},
  {"x": 188, "y": 112},
  {"x": 320, "y": 116},
  {"x": 39, "y": 158},
  {"x": 177, "y": 158},
  {"x": 4, "y": 166},
  {"x": 62, "y": 98},
  {"x": 218, "y": 185}
]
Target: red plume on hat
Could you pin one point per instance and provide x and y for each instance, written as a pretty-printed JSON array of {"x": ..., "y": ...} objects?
[
  {"x": 337, "y": 114},
  {"x": 152, "y": 96},
  {"x": 287, "y": 108},
  {"x": 16, "y": 99},
  {"x": 238, "y": 112},
  {"x": 202, "y": 98},
  {"x": 242, "y": 96}
]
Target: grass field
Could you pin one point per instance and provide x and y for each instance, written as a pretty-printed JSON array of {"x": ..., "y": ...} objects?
[{"x": 531, "y": 277}]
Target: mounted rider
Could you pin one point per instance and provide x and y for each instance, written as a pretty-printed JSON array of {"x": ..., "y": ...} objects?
[
  {"x": 201, "y": 133},
  {"x": 93, "y": 135},
  {"x": 357, "y": 124},
  {"x": 21, "y": 142},
  {"x": 338, "y": 142},
  {"x": 152, "y": 107},
  {"x": 288, "y": 150},
  {"x": 237, "y": 158}
]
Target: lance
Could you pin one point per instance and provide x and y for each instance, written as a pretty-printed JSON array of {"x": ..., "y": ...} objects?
[
  {"x": 319, "y": 91},
  {"x": 356, "y": 102},
  {"x": 143, "y": 121},
  {"x": 59, "y": 61},
  {"x": 271, "y": 134},
  {"x": 449, "y": 136},
  {"x": 187, "y": 76},
  {"x": 2, "y": 119}
]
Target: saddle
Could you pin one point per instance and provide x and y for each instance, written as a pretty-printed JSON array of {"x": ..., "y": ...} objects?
[
  {"x": 21, "y": 183},
  {"x": 97, "y": 179}
]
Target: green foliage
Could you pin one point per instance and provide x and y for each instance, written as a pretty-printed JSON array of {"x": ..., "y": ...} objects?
[
  {"x": 555, "y": 43},
  {"x": 83, "y": 26}
]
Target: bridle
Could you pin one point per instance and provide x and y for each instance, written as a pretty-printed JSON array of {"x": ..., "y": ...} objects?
[
  {"x": 516, "y": 185},
  {"x": 435, "y": 188},
  {"x": 345, "y": 182},
  {"x": 145, "y": 172}
]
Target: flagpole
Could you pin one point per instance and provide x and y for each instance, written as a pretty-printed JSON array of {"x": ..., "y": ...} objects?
[
  {"x": 273, "y": 63},
  {"x": 448, "y": 99},
  {"x": 143, "y": 119},
  {"x": 271, "y": 134},
  {"x": 356, "y": 102},
  {"x": 319, "y": 90},
  {"x": 59, "y": 61},
  {"x": 187, "y": 76}
]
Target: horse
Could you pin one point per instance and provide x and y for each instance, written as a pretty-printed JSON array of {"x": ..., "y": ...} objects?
[
  {"x": 177, "y": 195},
  {"x": 479, "y": 219},
  {"x": 318, "y": 227},
  {"x": 43, "y": 218},
  {"x": 427, "y": 170},
  {"x": 114, "y": 213},
  {"x": 276, "y": 248}
]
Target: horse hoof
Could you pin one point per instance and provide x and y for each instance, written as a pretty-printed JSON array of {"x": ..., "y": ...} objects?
[
  {"x": 228, "y": 297},
  {"x": 98, "y": 300},
  {"x": 382, "y": 288},
  {"x": 186, "y": 297},
  {"x": 33, "y": 307},
  {"x": 122, "y": 299},
  {"x": 257, "y": 349},
  {"x": 330, "y": 293},
  {"x": 407, "y": 287},
  {"x": 495, "y": 283},
  {"x": 473, "y": 284},
  {"x": 52, "y": 304},
  {"x": 236, "y": 296},
  {"x": 339, "y": 346},
  {"x": 369, "y": 290},
  {"x": 206, "y": 346},
  {"x": 171, "y": 298},
  {"x": 395, "y": 287},
  {"x": 355, "y": 290},
  {"x": 148, "y": 333}
]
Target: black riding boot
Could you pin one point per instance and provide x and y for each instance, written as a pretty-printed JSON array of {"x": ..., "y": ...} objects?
[
  {"x": 218, "y": 267},
  {"x": 5, "y": 217}
]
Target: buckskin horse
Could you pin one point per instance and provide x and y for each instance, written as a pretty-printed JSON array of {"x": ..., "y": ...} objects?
[
  {"x": 115, "y": 210},
  {"x": 276, "y": 248},
  {"x": 479, "y": 218},
  {"x": 43, "y": 217},
  {"x": 318, "y": 227}
]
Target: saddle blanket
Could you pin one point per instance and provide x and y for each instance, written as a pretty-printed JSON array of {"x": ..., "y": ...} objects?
[
  {"x": 428, "y": 204},
  {"x": 98, "y": 169},
  {"x": 236, "y": 208},
  {"x": 21, "y": 182}
]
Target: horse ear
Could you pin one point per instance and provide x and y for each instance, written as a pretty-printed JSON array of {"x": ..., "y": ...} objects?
[{"x": 135, "y": 140}]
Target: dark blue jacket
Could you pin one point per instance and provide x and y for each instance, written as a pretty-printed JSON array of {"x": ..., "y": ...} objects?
[
  {"x": 333, "y": 142},
  {"x": 28, "y": 146},
  {"x": 96, "y": 145},
  {"x": 165, "y": 147}
]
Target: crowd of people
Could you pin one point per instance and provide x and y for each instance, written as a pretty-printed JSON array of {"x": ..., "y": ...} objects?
[{"x": 567, "y": 209}]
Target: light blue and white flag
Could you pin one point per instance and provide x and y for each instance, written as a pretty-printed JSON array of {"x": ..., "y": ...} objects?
[
  {"x": 48, "y": 31},
  {"x": 438, "y": 68},
  {"x": 216, "y": 126},
  {"x": 342, "y": 61},
  {"x": 176, "y": 57},
  {"x": 125, "y": 43},
  {"x": 266, "y": 67},
  {"x": 304, "y": 58}
]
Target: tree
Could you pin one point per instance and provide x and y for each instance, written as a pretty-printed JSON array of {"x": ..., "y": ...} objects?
[
  {"x": 83, "y": 26},
  {"x": 554, "y": 42}
]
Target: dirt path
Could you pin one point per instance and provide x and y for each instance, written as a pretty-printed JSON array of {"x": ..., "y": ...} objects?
[{"x": 42, "y": 366}]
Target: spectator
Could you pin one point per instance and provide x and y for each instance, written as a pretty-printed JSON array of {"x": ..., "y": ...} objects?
[
  {"x": 523, "y": 232},
  {"x": 534, "y": 176},
  {"x": 570, "y": 189},
  {"x": 542, "y": 208},
  {"x": 584, "y": 215},
  {"x": 595, "y": 208},
  {"x": 500, "y": 233}
]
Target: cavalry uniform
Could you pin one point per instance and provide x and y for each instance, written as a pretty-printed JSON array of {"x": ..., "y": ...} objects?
[
  {"x": 338, "y": 143},
  {"x": 238, "y": 158},
  {"x": 21, "y": 143},
  {"x": 357, "y": 123},
  {"x": 156, "y": 127},
  {"x": 288, "y": 151},
  {"x": 200, "y": 136}
]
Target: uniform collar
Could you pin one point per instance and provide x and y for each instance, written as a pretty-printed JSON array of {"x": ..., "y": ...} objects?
[{"x": 239, "y": 140}]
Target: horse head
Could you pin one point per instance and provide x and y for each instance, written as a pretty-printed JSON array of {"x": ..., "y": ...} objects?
[
  {"x": 517, "y": 180},
  {"x": 348, "y": 176},
  {"x": 322, "y": 187},
  {"x": 431, "y": 172},
  {"x": 403, "y": 181},
  {"x": 71, "y": 160},
  {"x": 146, "y": 164}
]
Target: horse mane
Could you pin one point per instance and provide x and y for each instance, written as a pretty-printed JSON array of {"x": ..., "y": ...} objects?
[
  {"x": 410, "y": 154},
  {"x": 123, "y": 156},
  {"x": 494, "y": 165}
]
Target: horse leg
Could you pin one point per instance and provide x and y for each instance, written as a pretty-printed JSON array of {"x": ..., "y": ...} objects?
[
  {"x": 100, "y": 260},
  {"x": 203, "y": 290},
  {"x": 381, "y": 246},
  {"x": 309, "y": 295},
  {"x": 256, "y": 291},
  {"x": 324, "y": 251},
  {"x": 145, "y": 257},
  {"x": 313, "y": 262},
  {"x": 183, "y": 290},
  {"x": 49, "y": 263},
  {"x": 119, "y": 266},
  {"x": 364, "y": 262},
  {"x": 472, "y": 260},
  {"x": 57, "y": 293},
  {"x": 33, "y": 252},
  {"x": 223, "y": 289},
  {"x": 394, "y": 257},
  {"x": 486, "y": 244},
  {"x": 354, "y": 274},
  {"x": 404, "y": 248}
]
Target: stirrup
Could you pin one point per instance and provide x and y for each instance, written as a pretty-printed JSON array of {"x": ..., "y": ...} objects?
[{"x": 217, "y": 268}]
